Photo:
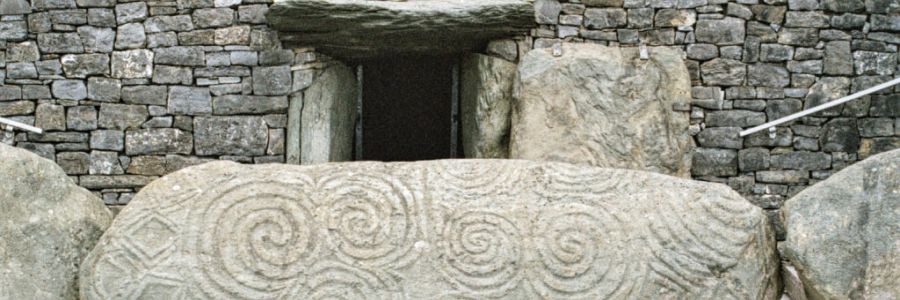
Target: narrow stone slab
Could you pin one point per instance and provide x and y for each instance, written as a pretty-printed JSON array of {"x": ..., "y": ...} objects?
[
  {"x": 47, "y": 226},
  {"x": 354, "y": 29},
  {"x": 485, "y": 99},
  {"x": 463, "y": 229},
  {"x": 328, "y": 117},
  {"x": 843, "y": 234}
]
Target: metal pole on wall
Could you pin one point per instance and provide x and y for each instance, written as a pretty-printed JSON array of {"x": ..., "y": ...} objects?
[{"x": 20, "y": 125}]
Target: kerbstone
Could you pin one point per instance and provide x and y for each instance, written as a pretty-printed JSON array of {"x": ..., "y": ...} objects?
[
  {"x": 564, "y": 104},
  {"x": 49, "y": 225},
  {"x": 861, "y": 257},
  {"x": 605, "y": 222}
]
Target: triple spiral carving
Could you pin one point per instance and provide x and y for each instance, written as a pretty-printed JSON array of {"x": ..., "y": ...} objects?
[
  {"x": 372, "y": 219},
  {"x": 573, "y": 244},
  {"x": 255, "y": 240},
  {"x": 482, "y": 253}
]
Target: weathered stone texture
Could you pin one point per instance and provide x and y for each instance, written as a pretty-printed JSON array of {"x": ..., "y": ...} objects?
[
  {"x": 600, "y": 106},
  {"x": 842, "y": 233},
  {"x": 47, "y": 224},
  {"x": 365, "y": 231},
  {"x": 485, "y": 103},
  {"x": 353, "y": 29},
  {"x": 327, "y": 121}
]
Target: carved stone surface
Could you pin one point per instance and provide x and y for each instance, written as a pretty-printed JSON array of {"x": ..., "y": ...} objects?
[
  {"x": 352, "y": 29},
  {"x": 603, "y": 106},
  {"x": 843, "y": 234},
  {"x": 464, "y": 229},
  {"x": 485, "y": 99},
  {"x": 47, "y": 225}
]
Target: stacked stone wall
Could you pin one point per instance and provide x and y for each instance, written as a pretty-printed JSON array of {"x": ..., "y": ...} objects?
[
  {"x": 753, "y": 61},
  {"x": 128, "y": 91}
]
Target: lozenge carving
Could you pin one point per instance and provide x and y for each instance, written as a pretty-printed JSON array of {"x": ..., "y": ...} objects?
[{"x": 463, "y": 229}]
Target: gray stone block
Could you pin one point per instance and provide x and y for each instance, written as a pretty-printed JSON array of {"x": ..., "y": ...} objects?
[
  {"x": 62, "y": 43},
  {"x": 601, "y": 18},
  {"x": 81, "y": 118},
  {"x": 145, "y": 94},
  {"x": 753, "y": 159},
  {"x": 168, "y": 23},
  {"x": 734, "y": 118},
  {"x": 768, "y": 75},
  {"x": 108, "y": 140},
  {"x": 122, "y": 116},
  {"x": 22, "y": 52},
  {"x": 105, "y": 163},
  {"x": 727, "y": 31},
  {"x": 158, "y": 141},
  {"x": 180, "y": 56},
  {"x": 714, "y": 162},
  {"x": 69, "y": 89},
  {"x": 840, "y": 135},
  {"x": 721, "y": 137},
  {"x": 189, "y": 100},
  {"x": 84, "y": 65},
  {"x": 272, "y": 81},
  {"x": 252, "y": 105},
  {"x": 230, "y": 136},
  {"x": 130, "y": 36},
  {"x": 97, "y": 39},
  {"x": 723, "y": 72},
  {"x": 172, "y": 75},
  {"x": 50, "y": 117},
  {"x": 21, "y": 70},
  {"x": 104, "y": 89},
  {"x": 131, "y": 12},
  {"x": 73, "y": 163},
  {"x": 213, "y": 17},
  {"x": 132, "y": 64}
]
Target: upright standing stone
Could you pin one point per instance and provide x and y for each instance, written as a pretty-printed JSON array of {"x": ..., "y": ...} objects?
[
  {"x": 489, "y": 229},
  {"x": 485, "y": 99},
  {"x": 603, "y": 106},
  {"x": 329, "y": 116},
  {"x": 47, "y": 225},
  {"x": 843, "y": 234}
]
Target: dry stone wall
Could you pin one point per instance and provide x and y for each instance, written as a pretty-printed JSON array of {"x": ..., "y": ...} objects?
[{"x": 127, "y": 91}]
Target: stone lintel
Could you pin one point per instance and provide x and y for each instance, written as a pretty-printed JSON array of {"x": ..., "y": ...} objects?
[{"x": 357, "y": 30}]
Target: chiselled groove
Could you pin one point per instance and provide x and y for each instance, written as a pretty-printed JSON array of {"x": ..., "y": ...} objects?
[{"x": 430, "y": 230}]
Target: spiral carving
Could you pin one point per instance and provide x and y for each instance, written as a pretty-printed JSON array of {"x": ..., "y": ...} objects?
[
  {"x": 573, "y": 245},
  {"x": 481, "y": 253},
  {"x": 334, "y": 280},
  {"x": 372, "y": 219},
  {"x": 255, "y": 240}
]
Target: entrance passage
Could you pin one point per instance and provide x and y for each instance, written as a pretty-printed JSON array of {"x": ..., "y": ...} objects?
[{"x": 408, "y": 109}]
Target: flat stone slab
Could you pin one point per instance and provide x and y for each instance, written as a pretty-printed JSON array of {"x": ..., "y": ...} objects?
[
  {"x": 47, "y": 226},
  {"x": 603, "y": 106},
  {"x": 843, "y": 234},
  {"x": 463, "y": 229},
  {"x": 359, "y": 29}
]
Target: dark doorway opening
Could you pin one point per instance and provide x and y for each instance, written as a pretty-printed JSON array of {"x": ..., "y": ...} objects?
[{"x": 408, "y": 109}]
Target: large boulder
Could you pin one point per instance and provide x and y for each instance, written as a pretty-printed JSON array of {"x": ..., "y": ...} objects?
[
  {"x": 603, "y": 106},
  {"x": 47, "y": 226},
  {"x": 843, "y": 234},
  {"x": 464, "y": 229}
]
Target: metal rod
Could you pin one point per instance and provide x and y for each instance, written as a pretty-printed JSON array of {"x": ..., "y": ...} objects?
[
  {"x": 454, "y": 113},
  {"x": 820, "y": 107},
  {"x": 359, "y": 112},
  {"x": 22, "y": 126}
]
